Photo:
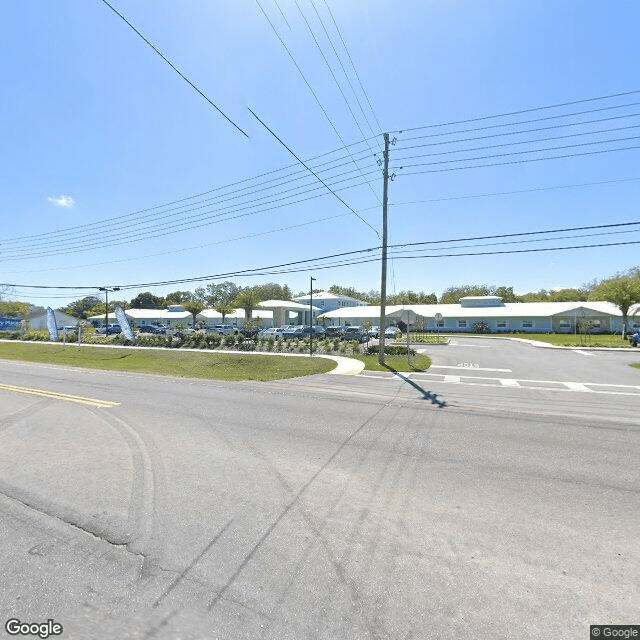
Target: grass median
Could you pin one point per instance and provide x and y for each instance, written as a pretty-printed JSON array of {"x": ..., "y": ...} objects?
[
  {"x": 395, "y": 363},
  {"x": 182, "y": 364},
  {"x": 557, "y": 339}
]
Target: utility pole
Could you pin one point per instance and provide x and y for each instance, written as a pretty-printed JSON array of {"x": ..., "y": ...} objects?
[
  {"x": 106, "y": 306},
  {"x": 311, "y": 318},
  {"x": 383, "y": 279}
]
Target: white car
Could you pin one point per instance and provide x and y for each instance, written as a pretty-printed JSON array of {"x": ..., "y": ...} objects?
[
  {"x": 224, "y": 330},
  {"x": 273, "y": 332},
  {"x": 391, "y": 332}
]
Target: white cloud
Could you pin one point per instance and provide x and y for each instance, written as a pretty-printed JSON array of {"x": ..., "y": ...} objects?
[{"x": 66, "y": 202}]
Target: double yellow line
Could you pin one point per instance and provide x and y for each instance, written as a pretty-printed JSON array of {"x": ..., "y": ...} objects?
[{"x": 92, "y": 402}]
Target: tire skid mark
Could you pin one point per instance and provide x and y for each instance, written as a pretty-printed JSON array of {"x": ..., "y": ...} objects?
[
  {"x": 26, "y": 412},
  {"x": 295, "y": 498},
  {"x": 142, "y": 512}
]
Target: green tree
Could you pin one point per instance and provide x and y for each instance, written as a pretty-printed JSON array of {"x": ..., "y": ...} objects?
[
  {"x": 452, "y": 295},
  {"x": 623, "y": 291},
  {"x": 179, "y": 297},
  {"x": 147, "y": 300},
  {"x": 224, "y": 309},
  {"x": 80, "y": 308},
  {"x": 11, "y": 309},
  {"x": 194, "y": 308},
  {"x": 248, "y": 300}
]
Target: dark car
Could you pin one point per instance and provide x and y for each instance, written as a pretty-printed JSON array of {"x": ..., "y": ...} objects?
[
  {"x": 148, "y": 328},
  {"x": 635, "y": 339},
  {"x": 109, "y": 330},
  {"x": 296, "y": 332},
  {"x": 354, "y": 333},
  {"x": 335, "y": 332}
]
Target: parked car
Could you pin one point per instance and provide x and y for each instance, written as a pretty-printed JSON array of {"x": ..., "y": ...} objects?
[
  {"x": 355, "y": 333},
  {"x": 296, "y": 332},
  {"x": 67, "y": 330},
  {"x": 374, "y": 332},
  {"x": 635, "y": 339},
  {"x": 109, "y": 329},
  {"x": 224, "y": 330},
  {"x": 318, "y": 331},
  {"x": 335, "y": 332},
  {"x": 391, "y": 332},
  {"x": 249, "y": 332},
  {"x": 272, "y": 332},
  {"x": 148, "y": 328}
]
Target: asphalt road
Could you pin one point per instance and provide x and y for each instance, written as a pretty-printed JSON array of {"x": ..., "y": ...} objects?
[{"x": 464, "y": 502}]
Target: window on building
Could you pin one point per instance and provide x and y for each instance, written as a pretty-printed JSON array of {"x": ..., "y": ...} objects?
[
  {"x": 440, "y": 324},
  {"x": 527, "y": 324},
  {"x": 462, "y": 324},
  {"x": 501, "y": 324}
]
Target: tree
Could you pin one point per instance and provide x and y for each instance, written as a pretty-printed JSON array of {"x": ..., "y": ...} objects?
[
  {"x": 270, "y": 291},
  {"x": 11, "y": 309},
  {"x": 81, "y": 308},
  {"x": 179, "y": 297},
  {"x": 248, "y": 300},
  {"x": 147, "y": 300},
  {"x": 224, "y": 309},
  {"x": 623, "y": 291},
  {"x": 452, "y": 295},
  {"x": 194, "y": 308}
]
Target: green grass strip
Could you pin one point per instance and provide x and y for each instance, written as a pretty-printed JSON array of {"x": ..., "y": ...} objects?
[
  {"x": 182, "y": 364},
  {"x": 395, "y": 363}
]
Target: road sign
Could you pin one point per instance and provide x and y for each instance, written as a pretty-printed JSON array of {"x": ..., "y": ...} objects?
[{"x": 438, "y": 317}]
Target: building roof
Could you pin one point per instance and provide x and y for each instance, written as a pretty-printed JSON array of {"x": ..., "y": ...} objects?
[
  {"x": 326, "y": 295},
  {"x": 506, "y": 310},
  {"x": 285, "y": 304},
  {"x": 209, "y": 314}
]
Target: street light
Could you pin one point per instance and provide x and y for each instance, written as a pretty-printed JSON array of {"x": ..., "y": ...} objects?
[
  {"x": 311, "y": 318},
  {"x": 106, "y": 306}
]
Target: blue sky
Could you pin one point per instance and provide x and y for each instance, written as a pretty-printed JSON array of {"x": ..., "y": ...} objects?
[{"x": 97, "y": 130}]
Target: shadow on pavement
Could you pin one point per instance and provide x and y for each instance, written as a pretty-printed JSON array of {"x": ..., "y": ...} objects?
[{"x": 426, "y": 395}]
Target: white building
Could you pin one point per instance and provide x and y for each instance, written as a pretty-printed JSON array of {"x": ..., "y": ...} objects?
[
  {"x": 326, "y": 301},
  {"x": 500, "y": 317},
  {"x": 173, "y": 315},
  {"x": 211, "y": 317}
]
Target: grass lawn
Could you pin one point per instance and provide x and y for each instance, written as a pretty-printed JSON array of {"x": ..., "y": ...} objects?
[
  {"x": 558, "y": 339},
  {"x": 637, "y": 366},
  {"x": 395, "y": 363},
  {"x": 210, "y": 365}
]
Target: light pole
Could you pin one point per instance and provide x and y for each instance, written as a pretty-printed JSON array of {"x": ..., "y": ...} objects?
[
  {"x": 106, "y": 306},
  {"x": 311, "y": 318}
]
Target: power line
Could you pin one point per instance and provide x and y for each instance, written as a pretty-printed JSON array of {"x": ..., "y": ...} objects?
[
  {"x": 335, "y": 80},
  {"x": 516, "y": 133},
  {"x": 344, "y": 44},
  {"x": 530, "y": 110},
  {"x": 223, "y": 214},
  {"x": 532, "y": 141},
  {"x": 359, "y": 260},
  {"x": 215, "y": 106},
  {"x": 499, "y": 164},
  {"x": 152, "y": 211},
  {"x": 313, "y": 93},
  {"x": 344, "y": 71},
  {"x": 169, "y": 230},
  {"x": 514, "y": 124},
  {"x": 311, "y": 170}
]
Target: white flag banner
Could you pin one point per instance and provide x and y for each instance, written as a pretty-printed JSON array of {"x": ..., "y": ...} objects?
[
  {"x": 123, "y": 321},
  {"x": 51, "y": 325}
]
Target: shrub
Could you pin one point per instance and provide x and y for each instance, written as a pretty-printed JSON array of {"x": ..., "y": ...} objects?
[
  {"x": 228, "y": 341},
  {"x": 391, "y": 350},
  {"x": 481, "y": 327}
]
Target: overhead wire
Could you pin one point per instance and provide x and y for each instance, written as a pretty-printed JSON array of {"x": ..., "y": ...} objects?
[
  {"x": 302, "y": 75},
  {"x": 316, "y": 261},
  {"x": 515, "y": 124},
  {"x": 520, "y": 111},
  {"x": 335, "y": 80},
  {"x": 189, "y": 82},
  {"x": 222, "y": 214}
]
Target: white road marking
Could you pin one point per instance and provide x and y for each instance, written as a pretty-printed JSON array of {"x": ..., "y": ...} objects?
[
  {"x": 509, "y": 382},
  {"x": 577, "y": 386},
  {"x": 453, "y": 379},
  {"x": 456, "y": 366},
  {"x": 473, "y": 346},
  {"x": 584, "y": 353}
]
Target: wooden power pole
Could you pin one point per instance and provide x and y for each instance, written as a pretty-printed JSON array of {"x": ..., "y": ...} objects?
[{"x": 383, "y": 279}]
